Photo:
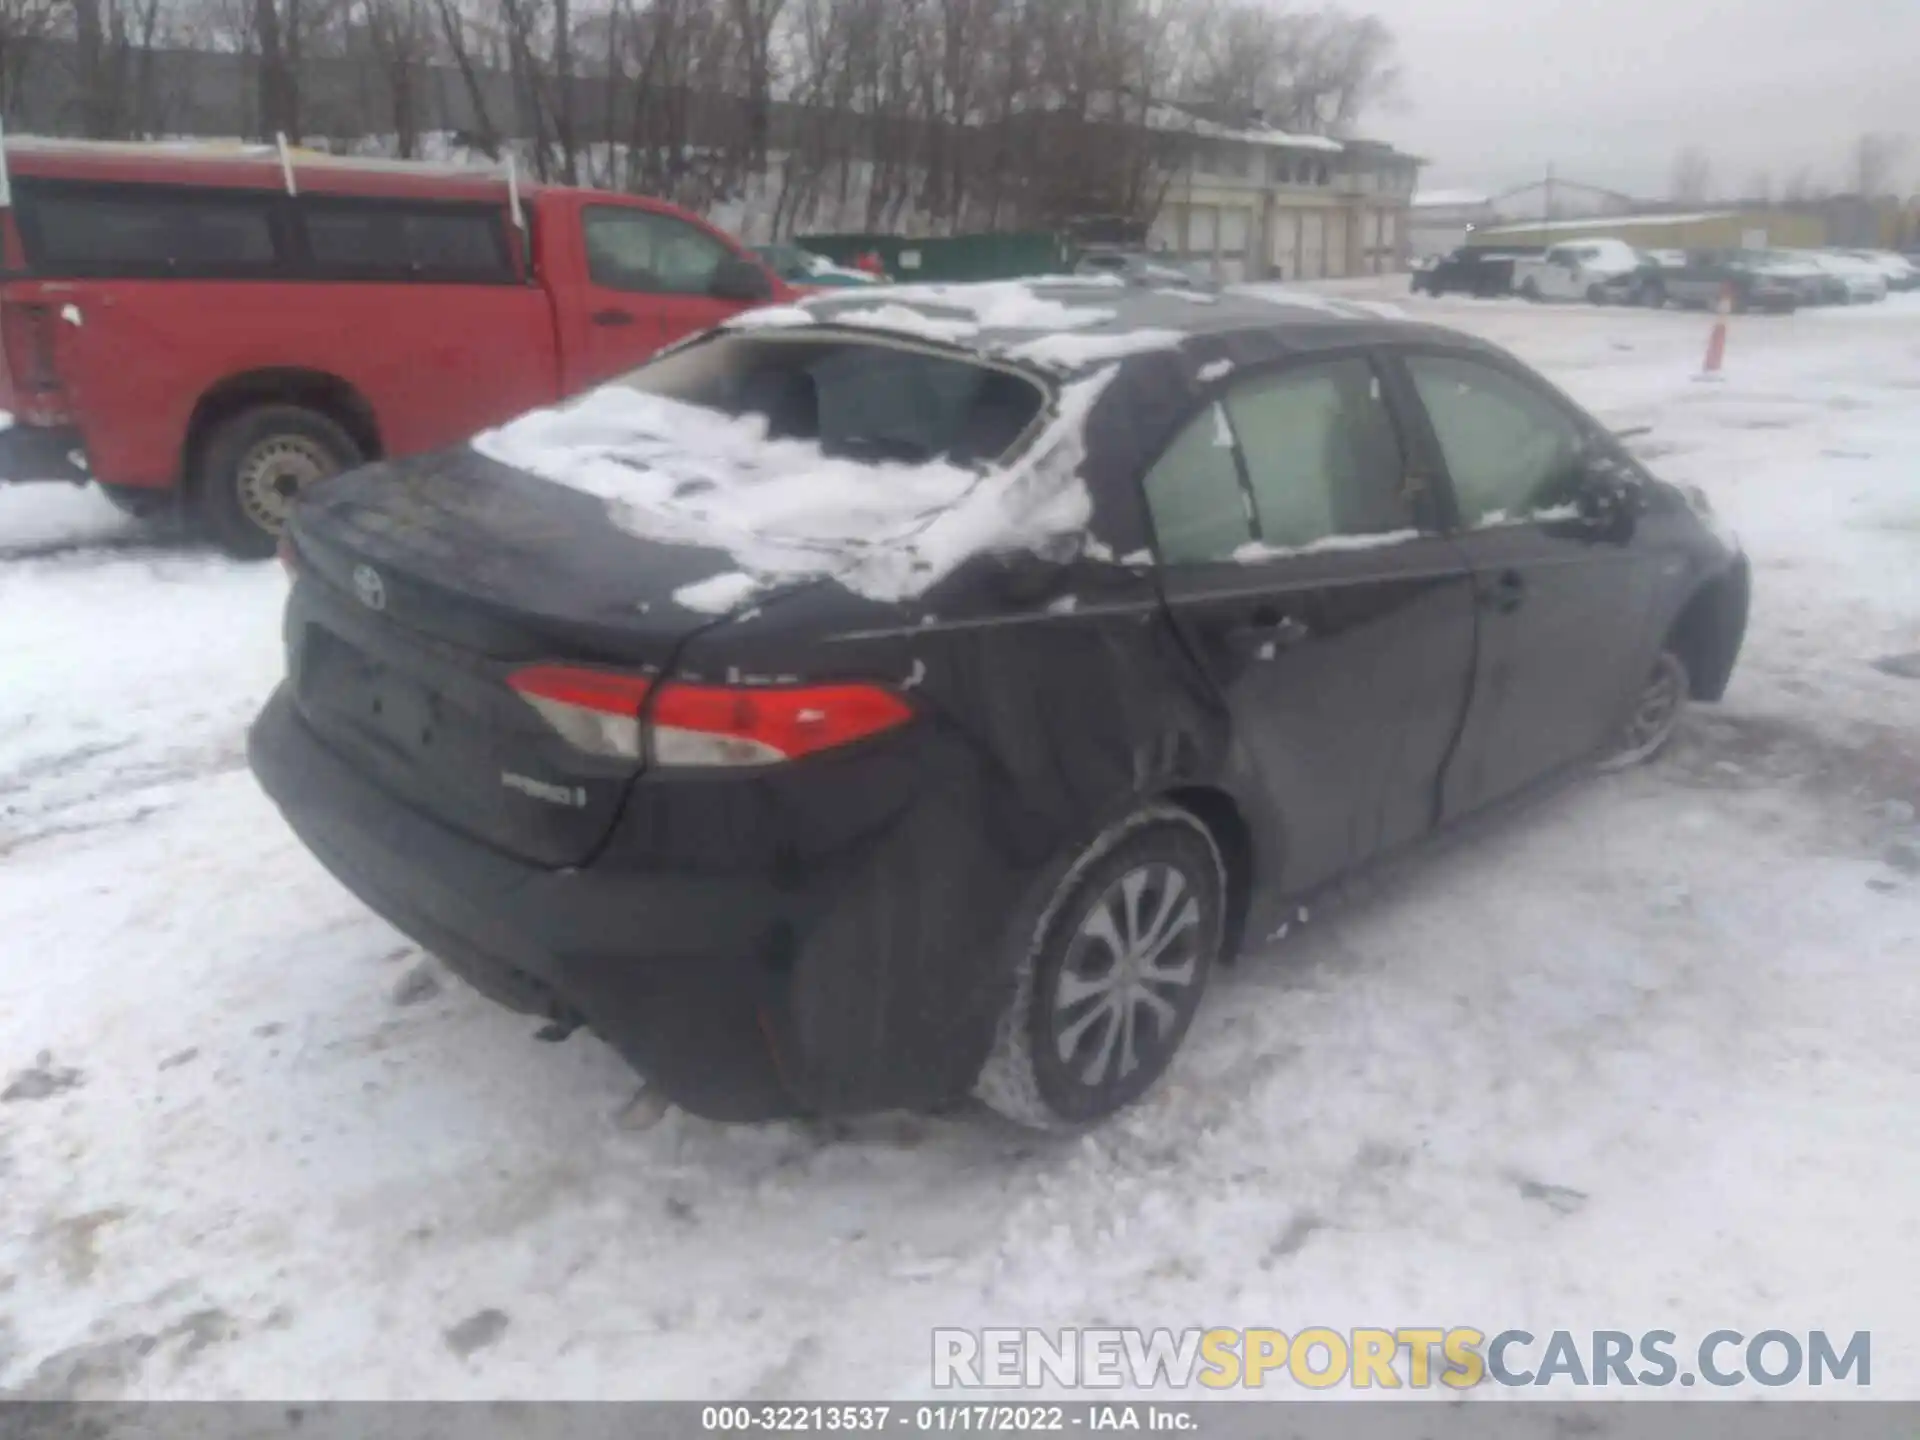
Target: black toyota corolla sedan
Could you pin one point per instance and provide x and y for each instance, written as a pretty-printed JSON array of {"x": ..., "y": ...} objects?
[{"x": 916, "y": 694}]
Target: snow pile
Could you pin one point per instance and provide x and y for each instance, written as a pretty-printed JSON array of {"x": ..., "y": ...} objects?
[
  {"x": 991, "y": 305},
  {"x": 1255, "y": 551},
  {"x": 905, "y": 320},
  {"x": 784, "y": 509},
  {"x": 1074, "y": 352}
]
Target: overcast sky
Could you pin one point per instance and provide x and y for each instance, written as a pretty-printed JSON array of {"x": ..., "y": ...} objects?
[{"x": 1610, "y": 90}]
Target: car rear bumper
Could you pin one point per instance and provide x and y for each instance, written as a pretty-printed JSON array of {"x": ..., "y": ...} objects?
[
  {"x": 741, "y": 995},
  {"x": 42, "y": 452}
]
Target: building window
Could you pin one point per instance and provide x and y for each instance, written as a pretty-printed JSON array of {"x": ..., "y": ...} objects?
[{"x": 1320, "y": 173}]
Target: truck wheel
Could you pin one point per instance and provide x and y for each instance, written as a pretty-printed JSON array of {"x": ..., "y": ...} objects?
[
  {"x": 254, "y": 467},
  {"x": 1111, "y": 973},
  {"x": 1530, "y": 289},
  {"x": 1596, "y": 294}
]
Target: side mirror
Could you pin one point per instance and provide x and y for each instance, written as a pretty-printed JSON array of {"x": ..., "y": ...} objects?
[
  {"x": 1608, "y": 497},
  {"x": 742, "y": 280}
]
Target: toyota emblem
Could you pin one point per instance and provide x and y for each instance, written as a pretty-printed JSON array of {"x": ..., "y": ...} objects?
[{"x": 368, "y": 585}]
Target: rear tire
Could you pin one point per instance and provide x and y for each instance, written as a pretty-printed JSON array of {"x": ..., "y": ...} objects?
[
  {"x": 1111, "y": 973},
  {"x": 254, "y": 466},
  {"x": 1596, "y": 294},
  {"x": 1530, "y": 290}
]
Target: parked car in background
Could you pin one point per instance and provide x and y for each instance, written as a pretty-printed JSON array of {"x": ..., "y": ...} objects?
[
  {"x": 1747, "y": 278},
  {"x": 1821, "y": 286},
  {"x": 210, "y": 325},
  {"x": 1471, "y": 270},
  {"x": 804, "y": 270},
  {"x": 1900, "y": 272},
  {"x": 1645, "y": 284},
  {"x": 1140, "y": 267},
  {"x": 826, "y": 752},
  {"x": 1863, "y": 284},
  {"x": 1579, "y": 270}
]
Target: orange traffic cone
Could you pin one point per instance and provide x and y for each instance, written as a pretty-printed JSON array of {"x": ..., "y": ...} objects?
[{"x": 1717, "y": 342}]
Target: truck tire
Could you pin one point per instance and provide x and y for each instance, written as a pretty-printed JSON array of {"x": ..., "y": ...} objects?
[
  {"x": 254, "y": 466},
  {"x": 1110, "y": 973},
  {"x": 1530, "y": 290},
  {"x": 1596, "y": 294}
]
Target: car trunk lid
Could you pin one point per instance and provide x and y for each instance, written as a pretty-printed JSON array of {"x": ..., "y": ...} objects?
[{"x": 423, "y": 588}]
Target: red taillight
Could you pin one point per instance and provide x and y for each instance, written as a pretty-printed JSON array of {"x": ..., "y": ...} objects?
[
  {"x": 26, "y": 334},
  {"x": 599, "y": 711},
  {"x": 731, "y": 725},
  {"x": 594, "y": 710}
]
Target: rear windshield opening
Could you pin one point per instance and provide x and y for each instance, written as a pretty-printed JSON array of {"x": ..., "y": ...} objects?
[{"x": 858, "y": 399}]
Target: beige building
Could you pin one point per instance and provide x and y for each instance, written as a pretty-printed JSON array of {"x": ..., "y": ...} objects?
[{"x": 1254, "y": 203}]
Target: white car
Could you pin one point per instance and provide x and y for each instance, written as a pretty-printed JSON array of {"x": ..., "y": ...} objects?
[
  {"x": 1577, "y": 270},
  {"x": 1865, "y": 283},
  {"x": 1900, "y": 272}
]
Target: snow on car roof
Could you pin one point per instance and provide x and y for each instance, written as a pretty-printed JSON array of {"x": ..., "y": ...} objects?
[{"x": 1066, "y": 324}]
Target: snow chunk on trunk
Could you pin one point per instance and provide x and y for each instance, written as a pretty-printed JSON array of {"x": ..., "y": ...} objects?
[{"x": 718, "y": 594}]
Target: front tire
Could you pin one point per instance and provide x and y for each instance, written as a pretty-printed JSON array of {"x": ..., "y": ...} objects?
[
  {"x": 256, "y": 464},
  {"x": 1655, "y": 715},
  {"x": 1111, "y": 973},
  {"x": 1596, "y": 294}
]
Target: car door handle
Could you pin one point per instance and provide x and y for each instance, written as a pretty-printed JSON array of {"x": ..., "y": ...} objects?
[
  {"x": 1271, "y": 628},
  {"x": 1505, "y": 593},
  {"x": 612, "y": 317}
]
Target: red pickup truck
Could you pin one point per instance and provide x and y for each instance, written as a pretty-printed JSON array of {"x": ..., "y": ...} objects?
[{"x": 223, "y": 326}]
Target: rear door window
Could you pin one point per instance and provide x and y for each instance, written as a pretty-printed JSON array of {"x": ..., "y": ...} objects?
[
  {"x": 381, "y": 240},
  {"x": 1321, "y": 454},
  {"x": 146, "y": 231},
  {"x": 1200, "y": 509}
]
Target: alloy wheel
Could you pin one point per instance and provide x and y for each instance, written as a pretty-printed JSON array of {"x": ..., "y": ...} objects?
[
  {"x": 1656, "y": 713},
  {"x": 1128, "y": 977}
]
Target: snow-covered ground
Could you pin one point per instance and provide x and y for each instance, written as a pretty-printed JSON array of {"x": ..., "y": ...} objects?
[{"x": 1643, "y": 1057}]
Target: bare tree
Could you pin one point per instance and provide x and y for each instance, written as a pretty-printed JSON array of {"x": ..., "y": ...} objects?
[
  {"x": 24, "y": 25},
  {"x": 1874, "y": 156},
  {"x": 400, "y": 36},
  {"x": 1309, "y": 71},
  {"x": 1692, "y": 176},
  {"x": 1760, "y": 186},
  {"x": 454, "y": 34}
]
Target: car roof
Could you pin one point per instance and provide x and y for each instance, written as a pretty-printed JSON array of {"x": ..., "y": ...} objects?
[
  {"x": 1073, "y": 324},
  {"x": 1146, "y": 358}
]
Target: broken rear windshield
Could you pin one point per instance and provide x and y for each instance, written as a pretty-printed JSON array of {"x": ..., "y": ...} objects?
[{"x": 860, "y": 399}]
